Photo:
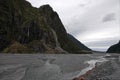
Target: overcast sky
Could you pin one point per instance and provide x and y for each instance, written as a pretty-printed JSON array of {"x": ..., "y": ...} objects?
[{"x": 96, "y": 23}]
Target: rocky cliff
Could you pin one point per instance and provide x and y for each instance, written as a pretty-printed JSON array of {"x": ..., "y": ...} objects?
[
  {"x": 24, "y": 28},
  {"x": 114, "y": 48}
]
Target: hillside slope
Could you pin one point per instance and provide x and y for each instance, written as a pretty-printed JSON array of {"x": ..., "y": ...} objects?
[{"x": 114, "y": 48}]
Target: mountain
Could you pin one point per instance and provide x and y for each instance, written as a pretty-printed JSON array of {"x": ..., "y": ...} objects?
[
  {"x": 26, "y": 29},
  {"x": 114, "y": 48},
  {"x": 82, "y": 46}
]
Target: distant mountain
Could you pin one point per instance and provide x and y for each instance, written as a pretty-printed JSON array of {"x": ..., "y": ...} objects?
[
  {"x": 25, "y": 29},
  {"x": 114, "y": 48},
  {"x": 78, "y": 43}
]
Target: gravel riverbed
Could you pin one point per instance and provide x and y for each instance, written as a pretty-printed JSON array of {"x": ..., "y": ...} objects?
[
  {"x": 109, "y": 70},
  {"x": 52, "y": 66}
]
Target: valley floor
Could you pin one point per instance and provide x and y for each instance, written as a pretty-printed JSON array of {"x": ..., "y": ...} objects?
[{"x": 54, "y": 66}]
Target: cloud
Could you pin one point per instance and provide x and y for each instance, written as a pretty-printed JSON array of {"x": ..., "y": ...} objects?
[
  {"x": 109, "y": 17},
  {"x": 102, "y": 45},
  {"x": 82, "y": 5}
]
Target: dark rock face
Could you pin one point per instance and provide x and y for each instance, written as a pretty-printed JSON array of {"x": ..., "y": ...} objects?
[
  {"x": 114, "y": 49},
  {"x": 20, "y": 22},
  {"x": 32, "y": 27},
  {"x": 3, "y": 43}
]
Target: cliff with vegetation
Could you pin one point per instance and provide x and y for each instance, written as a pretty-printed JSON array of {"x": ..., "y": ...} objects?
[{"x": 26, "y": 29}]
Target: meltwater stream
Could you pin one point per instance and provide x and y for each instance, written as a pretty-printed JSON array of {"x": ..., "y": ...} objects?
[
  {"x": 52, "y": 71},
  {"x": 92, "y": 64}
]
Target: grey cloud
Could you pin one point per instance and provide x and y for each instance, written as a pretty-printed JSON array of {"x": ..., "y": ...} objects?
[
  {"x": 102, "y": 43},
  {"x": 82, "y": 5},
  {"x": 109, "y": 17},
  {"x": 104, "y": 49},
  {"x": 85, "y": 3},
  {"x": 78, "y": 31}
]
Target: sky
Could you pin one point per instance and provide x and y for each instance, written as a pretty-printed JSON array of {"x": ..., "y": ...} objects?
[{"x": 95, "y": 23}]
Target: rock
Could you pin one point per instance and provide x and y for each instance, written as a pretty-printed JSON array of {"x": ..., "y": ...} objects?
[
  {"x": 76, "y": 79},
  {"x": 114, "y": 48},
  {"x": 3, "y": 43},
  {"x": 82, "y": 78}
]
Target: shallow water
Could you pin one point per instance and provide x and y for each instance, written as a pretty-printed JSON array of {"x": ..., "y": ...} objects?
[{"x": 92, "y": 64}]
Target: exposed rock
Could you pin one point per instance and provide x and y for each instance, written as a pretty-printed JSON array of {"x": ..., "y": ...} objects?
[
  {"x": 3, "y": 43},
  {"x": 82, "y": 78},
  {"x": 114, "y": 49}
]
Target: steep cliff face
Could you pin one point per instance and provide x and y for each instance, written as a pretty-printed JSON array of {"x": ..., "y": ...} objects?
[
  {"x": 20, "y": 22},
  {"x": 114, "y": 48},
  {"x": 37, "y": 29},
  {"x": 53, "y": 21}
]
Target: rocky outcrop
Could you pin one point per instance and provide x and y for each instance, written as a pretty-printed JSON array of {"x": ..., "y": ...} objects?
[
  {"x": 39, "y": 29},
  {"x": 114, "y": 49}
]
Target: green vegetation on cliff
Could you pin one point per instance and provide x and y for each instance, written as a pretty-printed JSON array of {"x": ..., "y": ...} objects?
[
  {"x": 17, "y": 48},
  {"x": 53, "y": 20},
  {"x": 31, "y": 28}
]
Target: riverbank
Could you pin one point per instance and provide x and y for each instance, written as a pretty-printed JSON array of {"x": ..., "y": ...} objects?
[{"x": 108, "y": 70}]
